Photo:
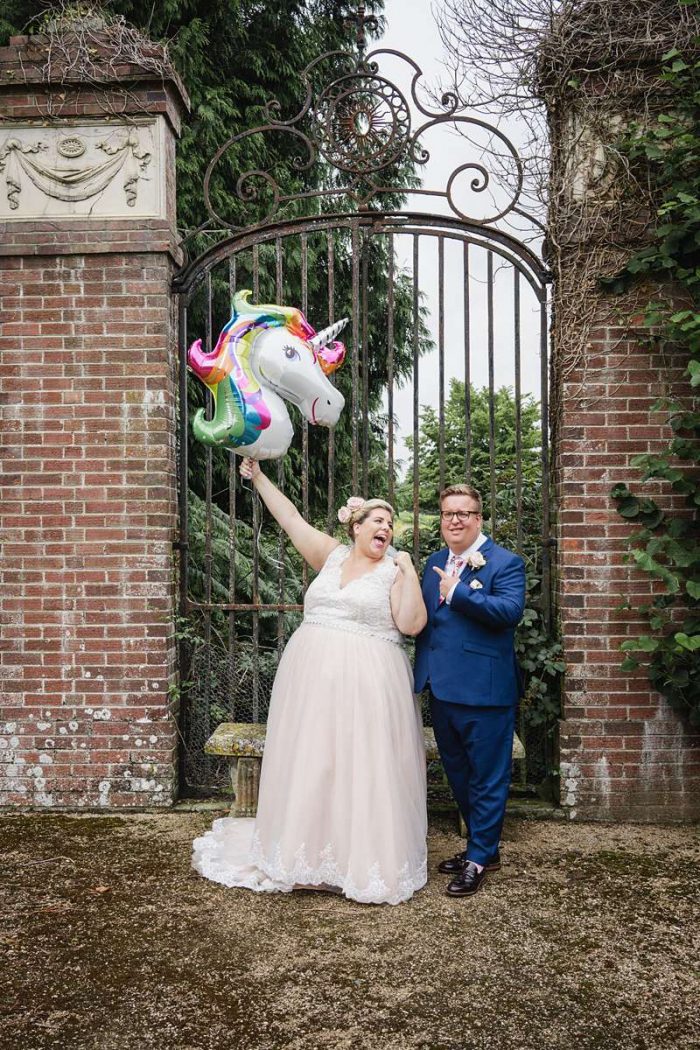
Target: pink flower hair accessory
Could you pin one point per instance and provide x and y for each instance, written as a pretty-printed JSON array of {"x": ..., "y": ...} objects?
[{"x": 346, "y": 512}]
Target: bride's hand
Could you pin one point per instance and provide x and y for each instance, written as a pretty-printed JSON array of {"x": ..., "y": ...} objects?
[
  {"x": 249, "y": 468},
  {"x": 404, "y": 562}
]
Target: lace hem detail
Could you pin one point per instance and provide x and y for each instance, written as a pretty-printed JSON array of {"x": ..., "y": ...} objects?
[
  {"x": 356, "y": 628},
  {"x": 211, "y": 858},
  {"x": 375, "y": 891}
]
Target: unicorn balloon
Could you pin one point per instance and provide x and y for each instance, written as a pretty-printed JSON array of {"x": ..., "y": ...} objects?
[{"x": 264, "y": 354}]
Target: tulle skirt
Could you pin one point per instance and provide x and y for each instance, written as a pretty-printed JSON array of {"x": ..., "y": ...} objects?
[{"x": 343, "y": 784}]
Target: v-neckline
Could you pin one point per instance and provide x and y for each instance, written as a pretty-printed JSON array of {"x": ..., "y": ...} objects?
[{"x": 341, "y": 586}]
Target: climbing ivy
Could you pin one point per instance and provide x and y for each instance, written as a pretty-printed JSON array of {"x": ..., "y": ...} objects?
[{"x": 666, "y": 545}]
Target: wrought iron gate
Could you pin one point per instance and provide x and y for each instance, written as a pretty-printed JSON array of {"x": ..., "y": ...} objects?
[{"x": 446, "y": 309}]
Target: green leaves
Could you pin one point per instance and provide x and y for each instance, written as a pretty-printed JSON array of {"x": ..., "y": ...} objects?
[
  {"x": 541, "y": 658},
  {"x": 644, "y": 511},
  {"x": 644, "y": 644},
  {"x": 686, "y": 642}
]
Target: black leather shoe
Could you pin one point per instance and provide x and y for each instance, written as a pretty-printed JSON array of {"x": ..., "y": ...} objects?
[
  {"x": 494, "y": 864},
  {"x": 468, "y": 882},
  {"x": 454, "y": 865}
]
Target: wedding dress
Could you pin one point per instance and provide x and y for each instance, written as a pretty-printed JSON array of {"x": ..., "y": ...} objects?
[{"x": 343, "y": 783}]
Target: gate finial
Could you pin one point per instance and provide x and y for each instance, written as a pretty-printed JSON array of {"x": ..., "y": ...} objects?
[{"x": 361, "y": 21}]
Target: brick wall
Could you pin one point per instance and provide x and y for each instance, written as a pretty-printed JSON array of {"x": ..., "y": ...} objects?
[
  {"x": 624, "y": 752},
  {"x": 88, "y": 499}
]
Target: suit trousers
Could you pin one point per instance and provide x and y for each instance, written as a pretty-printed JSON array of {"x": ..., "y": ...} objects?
[{"x": 476, "y": 748}]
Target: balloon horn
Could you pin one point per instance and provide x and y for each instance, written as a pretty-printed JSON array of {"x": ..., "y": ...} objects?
[{"x": 323, "y": 338}]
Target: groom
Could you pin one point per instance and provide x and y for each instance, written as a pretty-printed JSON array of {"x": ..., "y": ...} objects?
[{"x": 474, "y": 592}]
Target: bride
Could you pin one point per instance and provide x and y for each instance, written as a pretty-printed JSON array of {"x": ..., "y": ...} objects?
[{"x": 342, "y": 800}]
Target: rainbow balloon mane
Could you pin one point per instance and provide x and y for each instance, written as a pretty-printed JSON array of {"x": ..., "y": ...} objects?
[{"x": 266, "y": 353}]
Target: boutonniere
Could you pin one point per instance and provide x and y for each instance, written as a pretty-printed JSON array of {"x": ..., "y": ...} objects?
[{"x": 475, "y": 560}]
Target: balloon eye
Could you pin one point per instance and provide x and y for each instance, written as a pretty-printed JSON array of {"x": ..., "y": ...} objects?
[{"x": 291, "y": 354}]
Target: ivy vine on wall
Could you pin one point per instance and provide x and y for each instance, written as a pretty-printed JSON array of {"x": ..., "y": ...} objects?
[{"x": 666, "y": 544}]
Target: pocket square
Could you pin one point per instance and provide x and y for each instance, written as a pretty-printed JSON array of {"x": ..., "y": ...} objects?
[{"x": 475, "y": 585}]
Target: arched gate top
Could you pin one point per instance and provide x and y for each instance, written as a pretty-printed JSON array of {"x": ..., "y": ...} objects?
[
  {"x": 500, "y": 242},
  {"x": 358, "y": 140}
]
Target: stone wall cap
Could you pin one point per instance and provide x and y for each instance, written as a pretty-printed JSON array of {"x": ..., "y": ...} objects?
[{"x": 22, "y": 61}]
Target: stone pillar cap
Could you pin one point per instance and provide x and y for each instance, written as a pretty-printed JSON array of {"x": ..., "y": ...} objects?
[{"x": 35, "y": 59}]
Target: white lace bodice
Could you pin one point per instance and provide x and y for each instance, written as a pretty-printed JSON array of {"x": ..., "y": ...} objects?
[{"x": 362, "y": 606}]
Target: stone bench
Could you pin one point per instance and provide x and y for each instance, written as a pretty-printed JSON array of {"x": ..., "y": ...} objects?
[{"x": 244, "y": 743}]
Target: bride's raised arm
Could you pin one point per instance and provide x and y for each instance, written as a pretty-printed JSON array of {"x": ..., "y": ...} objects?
[{"x": 313, "y": 545}]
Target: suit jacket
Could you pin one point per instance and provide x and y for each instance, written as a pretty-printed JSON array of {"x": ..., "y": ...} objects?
[{"x": 466, "y": 650}]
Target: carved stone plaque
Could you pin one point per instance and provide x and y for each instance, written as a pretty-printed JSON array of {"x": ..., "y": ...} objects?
[{"x": 103, "y": 170}]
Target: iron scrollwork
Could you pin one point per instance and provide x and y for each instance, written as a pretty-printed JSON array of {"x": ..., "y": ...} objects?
[{"x": 361, "y": 124}]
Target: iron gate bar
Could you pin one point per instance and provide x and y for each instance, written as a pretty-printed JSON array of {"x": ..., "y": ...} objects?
[
  {"x": 182, "y": 543},
  {"x": 502, "y": 243},
  {"x": 245, "y": 606},
  {"x": 331, "y": 319},
  {"x": 467, "y": 364},
  {"x": 208, "y": 559},
  {"x": 232, "y": 489},
  {"x": 256, "y": 529},
  {"x": 304, "y": 422},
  {"x": 518, "y": 410},
  {"x": 390, "y": 367},
  {"x": 492, "y": 410},
  {"x": 281, "y": 573},
  {"x": 256, "y": 269},
  {"x": 231, "y": 562},
  {"x": 279, "y": 271},
  {"x": 256, "y": 604},
  {"x": 209, "y": 460},
  {"x": 416, "y": 402},
  {"x": 355, "y": 346},
  {"x": 365, "y": 367},
  {"x": 441, "y": 361},
  {"x": 183, "y": 452}
]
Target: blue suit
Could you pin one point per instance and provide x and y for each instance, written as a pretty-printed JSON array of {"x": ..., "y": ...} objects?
[{"x": 466, "y": 655}]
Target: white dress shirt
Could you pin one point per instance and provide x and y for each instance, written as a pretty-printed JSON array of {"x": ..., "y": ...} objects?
[{"x": 452, "y": 557}]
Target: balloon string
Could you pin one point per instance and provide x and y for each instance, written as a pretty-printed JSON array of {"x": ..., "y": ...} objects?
[
  {"x": 245, "y": 483},
  {"x": 256, "y": 539}
]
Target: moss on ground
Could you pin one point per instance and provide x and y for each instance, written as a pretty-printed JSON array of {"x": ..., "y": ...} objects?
[{"x": 109, "y": 940}]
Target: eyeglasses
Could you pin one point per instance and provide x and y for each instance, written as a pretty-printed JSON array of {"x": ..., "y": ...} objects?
[{"x": 460, "y": 515}]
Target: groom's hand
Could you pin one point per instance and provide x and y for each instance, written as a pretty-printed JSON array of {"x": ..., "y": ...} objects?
[{"x": 446, "y": 582}]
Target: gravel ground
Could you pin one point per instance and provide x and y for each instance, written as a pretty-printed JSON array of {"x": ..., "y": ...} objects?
[{"x": 587, "y": 940}]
